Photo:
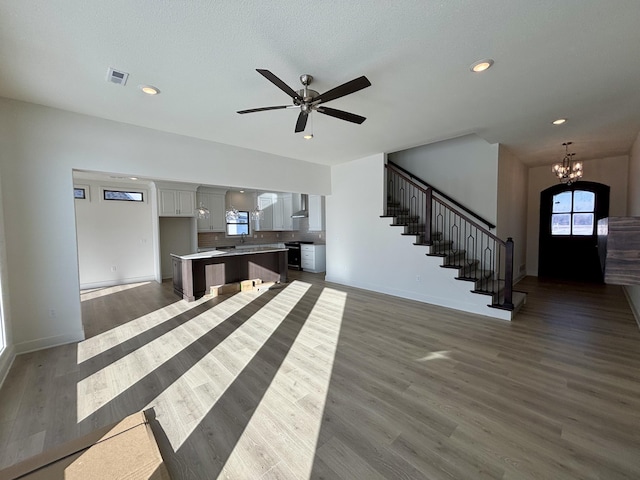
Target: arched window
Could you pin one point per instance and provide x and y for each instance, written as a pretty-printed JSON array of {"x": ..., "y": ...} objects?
[{"x": 573, "y": 213}]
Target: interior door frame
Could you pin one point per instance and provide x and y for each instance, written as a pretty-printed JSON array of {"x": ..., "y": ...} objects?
[{"x": 550, "y": 247}]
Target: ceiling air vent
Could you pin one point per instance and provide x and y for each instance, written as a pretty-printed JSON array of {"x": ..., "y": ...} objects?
[{"x": 117, "y": 77}]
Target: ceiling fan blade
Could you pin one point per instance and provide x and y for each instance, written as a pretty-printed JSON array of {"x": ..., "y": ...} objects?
[
  {"x": 301, "y": 124},
  {"x": 279, "y": 83},
  {"x": 342, "y": 115},
  {"x": 342, "y": 90},
  {"x": 262, "y": 109}
]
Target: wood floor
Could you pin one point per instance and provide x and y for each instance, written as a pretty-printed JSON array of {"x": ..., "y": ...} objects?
[{"x": 316, "y": 380}]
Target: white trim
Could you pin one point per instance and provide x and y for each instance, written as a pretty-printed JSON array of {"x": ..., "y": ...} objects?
[
  {"x": 478, "y": 308},
  {"x": 634, "y": 309},
  {"x": 7, "y": 356},
  {"x": 121, "y": 281},
  {"x": 48, "y": 342}
]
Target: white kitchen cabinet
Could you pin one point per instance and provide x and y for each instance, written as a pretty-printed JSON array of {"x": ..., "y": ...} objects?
[
  {"x": 313, "y": 258},
  {"x": 266, "y": 203},
  {"x": 316, "y": 213},
  {"x": 215, "y": 203},
  {"x": 176, "y": 203},
  {"x": 277, "y": 209},
  {"x": 286, "y": 204}
]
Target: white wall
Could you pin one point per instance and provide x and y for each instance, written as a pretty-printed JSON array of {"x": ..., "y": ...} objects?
[
  {"x": 241, "y": 201},
  {"x": 512, "y": 207},
  {"x": 114, "y": 234},
  {"x": 176, "y": 236},
  {"x": 40, "y": 148},
  {"x": 365, "y": 252},
  {"x": 633, "y": 209},
  {"x": 6, "y": 353},
  {"x": 465, "y": 168},
  {"x": 610, "y": 171}
]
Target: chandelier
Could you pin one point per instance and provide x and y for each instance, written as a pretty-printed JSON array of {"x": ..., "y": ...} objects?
[
  {"x": 568, "y": 171},
  {"x": 257, "y": 214},
  {"x": 202, "y": 211},
  {"x": 232, "y": 214}
]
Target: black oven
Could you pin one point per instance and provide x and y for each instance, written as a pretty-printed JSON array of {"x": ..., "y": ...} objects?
[{"x": 295, "y": 255}]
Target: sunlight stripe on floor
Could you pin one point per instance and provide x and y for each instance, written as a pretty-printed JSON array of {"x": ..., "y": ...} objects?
[
  {"x": 281, "y": 424},
  {"x": 178, "y": 410},
  {"x": 104, "y": 385},
  {"x": 98, "y": 344}
]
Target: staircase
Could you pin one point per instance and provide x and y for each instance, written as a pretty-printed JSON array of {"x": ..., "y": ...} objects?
[{"x": 450, "y": 231}]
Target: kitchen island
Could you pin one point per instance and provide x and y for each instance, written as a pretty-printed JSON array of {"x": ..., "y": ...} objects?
[{"x": 194, "y": 274}]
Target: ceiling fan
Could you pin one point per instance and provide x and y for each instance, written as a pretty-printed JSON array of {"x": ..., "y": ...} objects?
[{"x": 308, "y": 100}]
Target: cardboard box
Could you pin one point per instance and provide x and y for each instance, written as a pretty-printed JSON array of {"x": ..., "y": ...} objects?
[
  {"x": 125, "y": 450},
  {"x": 246, "y": 285},
  {"x": 216, "y": 290}
]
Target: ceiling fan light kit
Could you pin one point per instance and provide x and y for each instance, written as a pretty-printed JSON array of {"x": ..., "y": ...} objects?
[{"x": 308, "y": 100}]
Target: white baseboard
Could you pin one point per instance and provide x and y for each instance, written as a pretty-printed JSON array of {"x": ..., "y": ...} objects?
[
  {"x": 477, "y": 307},
  {"x": 113, "y": 283},
  {"x": 6, "y": 360},
  {"x": 48, "y": 342}
]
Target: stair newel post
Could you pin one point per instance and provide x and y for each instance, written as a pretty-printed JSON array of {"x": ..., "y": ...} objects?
[
  {"x": 508, "y": 274},
  {"x": 427, "y": 215}
]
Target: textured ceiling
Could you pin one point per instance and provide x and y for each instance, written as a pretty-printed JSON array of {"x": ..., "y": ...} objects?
[{"x": 571, "y": 58}]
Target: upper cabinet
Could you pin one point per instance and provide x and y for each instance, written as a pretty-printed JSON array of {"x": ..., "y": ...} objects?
[
  {"x": 277, "y": 209},
  {"x": 215, "y": 203},
  {"x": 316, "y": 213},
  {"x": 266, "y": 202},
  {"x": 287, "y": 203},
  {"x": 176, "y": 203}
]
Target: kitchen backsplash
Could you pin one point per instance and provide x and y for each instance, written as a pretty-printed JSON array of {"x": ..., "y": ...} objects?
[{"x": 218, "y": 239}]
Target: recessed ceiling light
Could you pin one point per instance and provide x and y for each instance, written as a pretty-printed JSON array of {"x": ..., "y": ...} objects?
[
  {"x": 308, "y": 136},
  {"x": 241, "y": 191},
  {"x": 559, "y": 121},
  {"x": 149, "y": 90},
  {"x": 133, "y": 178},
  {"x": 481, "y": 65}
]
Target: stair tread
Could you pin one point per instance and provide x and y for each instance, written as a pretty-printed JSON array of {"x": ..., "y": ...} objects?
[
  {"x": 518, "y": 298},
  {"x": 484, "y": 280}
]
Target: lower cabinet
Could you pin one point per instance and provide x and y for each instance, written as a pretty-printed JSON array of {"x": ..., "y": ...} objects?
[
  {"x": 313, "y": 258},
  {"x": 177, "y": 275}
]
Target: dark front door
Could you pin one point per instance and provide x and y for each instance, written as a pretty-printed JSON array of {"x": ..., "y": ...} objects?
[{"x": 569, "y": 216}]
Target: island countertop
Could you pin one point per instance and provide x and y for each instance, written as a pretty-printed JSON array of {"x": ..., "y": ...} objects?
[
  {"x": 228, "y": 253},
  {"x": 194, "y": 274}
]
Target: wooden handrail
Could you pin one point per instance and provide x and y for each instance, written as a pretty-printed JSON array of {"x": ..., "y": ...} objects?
[
  {"x": 397, "y": 167},
  {"x": 429, "y": 200}
]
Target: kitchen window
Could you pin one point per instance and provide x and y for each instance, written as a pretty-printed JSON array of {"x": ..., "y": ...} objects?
[{"x": 238, "y": 225}]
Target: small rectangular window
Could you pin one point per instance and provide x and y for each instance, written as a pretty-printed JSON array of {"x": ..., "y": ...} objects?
[
  {"x": 79, "y": 193},
  {"x": 584, "y": 201},
  {"x": 123, "y": 195},
  {"x": 582, "y": 224},
  {"x": 561, "y": 224},
  {"x": 239, "y": 225},
  {"x": 562, "y": 202}
]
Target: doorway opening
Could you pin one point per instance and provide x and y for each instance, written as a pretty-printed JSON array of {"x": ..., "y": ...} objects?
[{"x": 569, "y": 217}]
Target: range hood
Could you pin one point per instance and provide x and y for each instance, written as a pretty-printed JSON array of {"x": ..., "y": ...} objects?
[{"x": 304, "y": 213}]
